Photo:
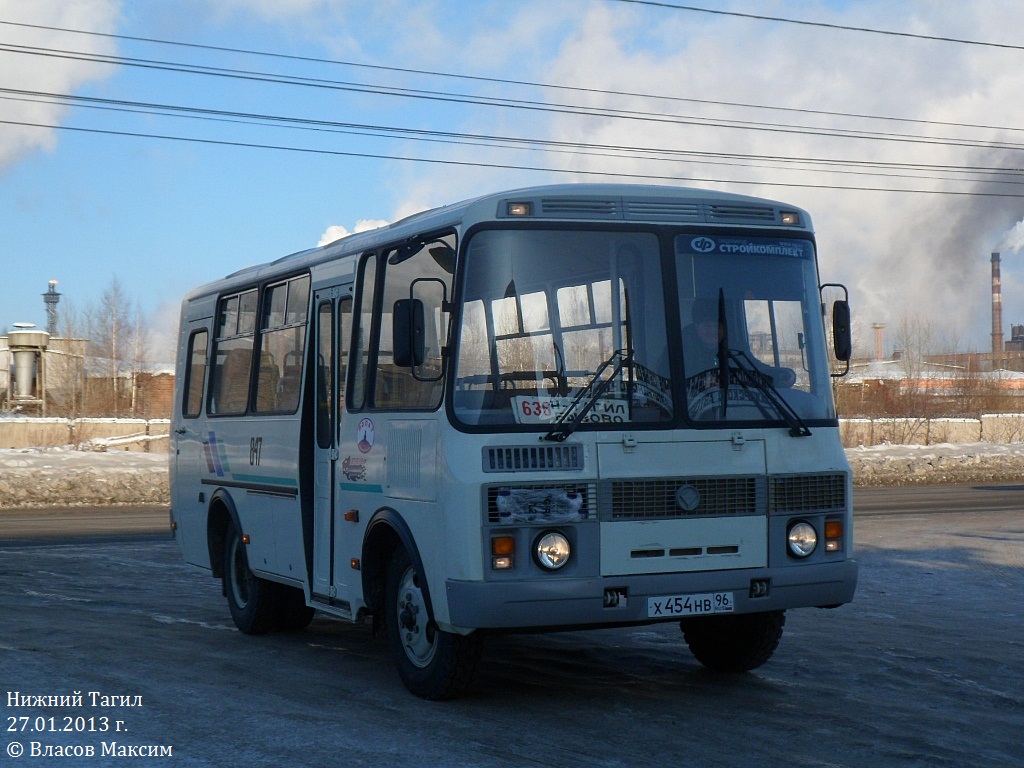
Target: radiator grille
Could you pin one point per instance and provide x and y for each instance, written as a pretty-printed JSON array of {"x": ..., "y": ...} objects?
[
  {"x": 651, "y": 499},
  {"x": 533, "y": 458},
  {"x": 588, "y": 491},
  {"x": 806, "y": 493}
]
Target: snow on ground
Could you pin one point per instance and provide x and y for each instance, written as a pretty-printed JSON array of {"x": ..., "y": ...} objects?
[
  {"x": 44, "y": 477},
  {"x": 41, "y": 477}
]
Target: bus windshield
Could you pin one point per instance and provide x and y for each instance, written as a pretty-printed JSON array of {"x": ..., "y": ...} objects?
[
  {"x": 560, "y": 326},
  {"x": 753, "y": 337}
]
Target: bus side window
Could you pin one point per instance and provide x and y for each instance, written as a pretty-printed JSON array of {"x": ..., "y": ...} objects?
[
  {"x": 324, "y": 371},
  {"x": 282, "y": 343},
  {"x": 426, "y": 266},
  {"x": 361, "y": 337},
  {"x": 232, "y": 367},
  {"x": 195, "y": 374},
  {"x": 344, "y": 337}
]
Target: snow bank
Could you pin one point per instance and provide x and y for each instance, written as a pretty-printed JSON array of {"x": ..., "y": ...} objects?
[
  {"x": 41, "y": 477},
  {"x": 44, "y": 477}
]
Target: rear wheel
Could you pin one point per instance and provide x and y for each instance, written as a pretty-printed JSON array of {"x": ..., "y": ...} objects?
[
  {"x": 432, "y": 663},
  {"x": 735, "y": 643},
  {"x": 254, "y": 603}
]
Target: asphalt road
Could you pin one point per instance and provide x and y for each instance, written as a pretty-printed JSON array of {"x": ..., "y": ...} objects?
[{"x": 923, "y": 669}]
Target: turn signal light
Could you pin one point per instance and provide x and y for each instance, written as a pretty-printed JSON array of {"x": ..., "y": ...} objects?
[
  {"x": 503, "y": 545},
  {"x": 833, "y": 535},
  {"x": 502, "y": 550}
]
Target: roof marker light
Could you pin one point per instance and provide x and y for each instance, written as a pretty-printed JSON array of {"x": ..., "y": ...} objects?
[{"x": 519, "y": 209}]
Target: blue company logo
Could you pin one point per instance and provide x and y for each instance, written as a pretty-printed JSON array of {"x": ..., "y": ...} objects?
[{"x": 702, "y": 244}]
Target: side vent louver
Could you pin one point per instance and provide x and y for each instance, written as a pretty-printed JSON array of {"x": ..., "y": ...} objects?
[
  {"x": 589, "y": 209},
  {"x": 738, "y": 212},
  {"x": 533, "y": 458},
  {"x": 676, "y": 210}
]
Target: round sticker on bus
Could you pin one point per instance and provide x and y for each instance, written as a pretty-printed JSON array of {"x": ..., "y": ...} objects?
[{"x": 364, "y": 436}]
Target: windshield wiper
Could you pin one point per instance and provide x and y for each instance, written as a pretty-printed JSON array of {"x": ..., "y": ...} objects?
[
  {"x": 570, "y": 419},
  {"x": 763, "y": 383}
]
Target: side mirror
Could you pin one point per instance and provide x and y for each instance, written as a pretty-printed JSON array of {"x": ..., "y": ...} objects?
[
  {"x": 842, "y": 336},
  {"x": 408, "y": 331}
]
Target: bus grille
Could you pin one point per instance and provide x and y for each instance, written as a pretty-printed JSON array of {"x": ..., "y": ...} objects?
[
  {"x": 703, "y": 497},
  {"x": 806, "y": 493},
  {"x": 533, "y": 458},
  {"x": 545, "y": 511}
]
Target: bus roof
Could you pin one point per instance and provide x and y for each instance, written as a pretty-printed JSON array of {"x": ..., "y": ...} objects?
[{"x": 640, "y": 203}]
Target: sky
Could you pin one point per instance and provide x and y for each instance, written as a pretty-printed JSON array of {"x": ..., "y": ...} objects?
[{"x": 180, "y": 140}]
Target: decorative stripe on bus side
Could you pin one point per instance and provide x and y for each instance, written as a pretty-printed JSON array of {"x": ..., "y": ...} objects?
[{"x": 364, "y": 487}]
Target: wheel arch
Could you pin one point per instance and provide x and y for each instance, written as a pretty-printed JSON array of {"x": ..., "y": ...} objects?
[
  {"x": 222, "y": 513},
  {"x": 386, "y": 532}
]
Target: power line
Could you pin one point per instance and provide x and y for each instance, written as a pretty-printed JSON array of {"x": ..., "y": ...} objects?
[
  {"x": 504, "y": 166},
  {"x": 509, "y": 103},
  {"x": 522, "y": 83},
  {"x": 618, "y": 151},
  {"x": 824, "y": 25}
]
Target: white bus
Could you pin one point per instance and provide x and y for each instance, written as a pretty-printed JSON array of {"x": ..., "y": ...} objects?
[{"x": 558, "y": 407}]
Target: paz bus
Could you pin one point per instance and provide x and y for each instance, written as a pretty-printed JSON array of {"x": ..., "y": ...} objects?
[{"x": 552, "y": 408}]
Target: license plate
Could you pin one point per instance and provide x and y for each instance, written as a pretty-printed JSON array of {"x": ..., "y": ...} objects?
[{"x": 690, "y": 605}]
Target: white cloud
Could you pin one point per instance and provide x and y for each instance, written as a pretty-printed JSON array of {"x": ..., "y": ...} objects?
[
  {"x": 51, "y": 75},
  {"x": 897, "y": 252},
  {"x": 271, "y": 9},
  {"x": 336, "y": 231}
]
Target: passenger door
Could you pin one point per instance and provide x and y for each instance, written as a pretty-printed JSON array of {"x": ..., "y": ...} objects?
[
  {"x": 333, "y": 308},
  {"x": 188, "y": 500}
]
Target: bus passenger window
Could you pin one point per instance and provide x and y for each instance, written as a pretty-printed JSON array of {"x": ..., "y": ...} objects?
[
  {"x": 282, "y": 343},
  {"x": 232, "y": 368},
  {"x": 195, "y": 374}
]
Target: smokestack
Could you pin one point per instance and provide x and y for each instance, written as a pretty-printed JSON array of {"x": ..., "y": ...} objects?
[
  {"x": 879, "y": 341},
  {"x": 997, "y": 310}
]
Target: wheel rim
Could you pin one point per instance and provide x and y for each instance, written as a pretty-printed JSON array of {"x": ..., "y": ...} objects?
[
  {"x": 238, "y": 570},
  {"x": 417, "y": 633}
]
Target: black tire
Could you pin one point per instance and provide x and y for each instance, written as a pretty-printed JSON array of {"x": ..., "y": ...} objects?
[
  {"x": 737, "y": 643},
  {"x": 254, "y": 603},
  {"x": 433, "y": 664},
  {"x": 294, "y": 614}
]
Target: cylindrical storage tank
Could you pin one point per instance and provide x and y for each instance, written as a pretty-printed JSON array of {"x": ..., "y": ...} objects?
[
  {"x": 26, "y": 347},
  {"x": 24, "y": 373}
]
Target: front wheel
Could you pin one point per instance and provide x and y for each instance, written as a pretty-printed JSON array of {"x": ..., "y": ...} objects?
[
  {"x": 737, "y": 643},
  {"x": 432, "y": 663},
  {"x": 255, "y": 603}
]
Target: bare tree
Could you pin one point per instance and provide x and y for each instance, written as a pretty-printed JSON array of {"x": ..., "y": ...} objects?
[
  {"x": 65, "y": 361},
  {"x": 119, "y": 349}
]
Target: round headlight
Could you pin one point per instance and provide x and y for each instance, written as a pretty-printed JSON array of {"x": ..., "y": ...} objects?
[
  {"x": 802, "y": 539},
  {"x": 552, "y": 550}
]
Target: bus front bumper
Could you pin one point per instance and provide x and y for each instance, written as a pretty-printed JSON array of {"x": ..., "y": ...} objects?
[{"x": 581, "y": 602}]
